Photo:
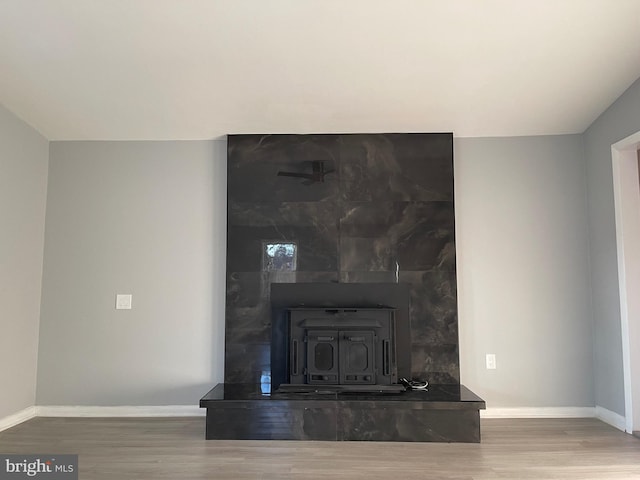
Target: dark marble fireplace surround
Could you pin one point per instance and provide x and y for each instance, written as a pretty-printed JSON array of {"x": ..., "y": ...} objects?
[{"x": 380, "y": 212}]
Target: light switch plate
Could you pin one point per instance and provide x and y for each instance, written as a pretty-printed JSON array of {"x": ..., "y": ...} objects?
[{"x": 123, "y": 301}]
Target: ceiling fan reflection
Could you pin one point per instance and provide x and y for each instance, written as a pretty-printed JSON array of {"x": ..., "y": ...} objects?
[{"x": 318, "y": 172}]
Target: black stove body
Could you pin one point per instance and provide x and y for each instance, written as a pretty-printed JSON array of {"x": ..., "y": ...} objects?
[{"x": 346, "y": 347}]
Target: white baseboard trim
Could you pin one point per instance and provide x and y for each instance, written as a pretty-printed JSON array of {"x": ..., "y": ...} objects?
[
  {"x": 539, "y": 412},
  {"x": 120, "y": 411},
  {"x": 612, "y": 418},
  {"x": 90, "y": 411},
  {"x": 17, "y": 418},
  {"x": 607, "y": 416}
]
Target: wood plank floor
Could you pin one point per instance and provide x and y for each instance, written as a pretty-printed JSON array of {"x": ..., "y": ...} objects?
[{"x": 174, "y": 448}]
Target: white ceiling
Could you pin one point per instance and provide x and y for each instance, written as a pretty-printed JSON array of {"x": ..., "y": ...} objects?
[{"x": 195, "y": 69}]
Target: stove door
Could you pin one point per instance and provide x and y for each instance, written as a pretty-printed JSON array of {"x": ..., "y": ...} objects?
[
  {"x": 357, "y": 354},
  {"x": 322, "y": 357}
]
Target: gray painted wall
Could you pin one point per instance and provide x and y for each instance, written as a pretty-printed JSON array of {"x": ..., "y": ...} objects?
[
  {"x": 148, "y": 218},
  {"x": 619, "y": 121},
  {"x": 523, "y": 272},
  {"x": 24, "y": 157},
  {"x": 145, "y": 218}
]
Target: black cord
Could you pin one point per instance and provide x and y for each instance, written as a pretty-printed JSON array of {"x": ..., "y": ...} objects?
[{"x": 414, "y": 384}]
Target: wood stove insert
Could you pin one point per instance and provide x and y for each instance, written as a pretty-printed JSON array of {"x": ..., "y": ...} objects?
[
  {"x": 339, "y": 337},
  {"x": 346, "y": 349}
]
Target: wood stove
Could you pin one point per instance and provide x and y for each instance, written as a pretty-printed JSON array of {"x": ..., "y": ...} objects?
[
  {"x": 345, "y": 348},
  {"x": 339, "y": 337}
]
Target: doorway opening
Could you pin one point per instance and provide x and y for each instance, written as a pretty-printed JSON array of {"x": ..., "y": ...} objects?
[{"x": 626, "y": 188}]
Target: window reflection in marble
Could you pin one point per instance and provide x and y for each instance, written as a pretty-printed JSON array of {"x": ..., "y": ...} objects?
[
  {"x": 265, "y": 382},
  {"x": 278, "y": 257}
]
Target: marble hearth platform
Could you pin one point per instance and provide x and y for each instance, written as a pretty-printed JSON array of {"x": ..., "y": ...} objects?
[{"x": 443, "y": 413}]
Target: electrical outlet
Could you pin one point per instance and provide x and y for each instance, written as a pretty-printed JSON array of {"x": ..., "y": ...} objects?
[{"x": 491, "y": 361}]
